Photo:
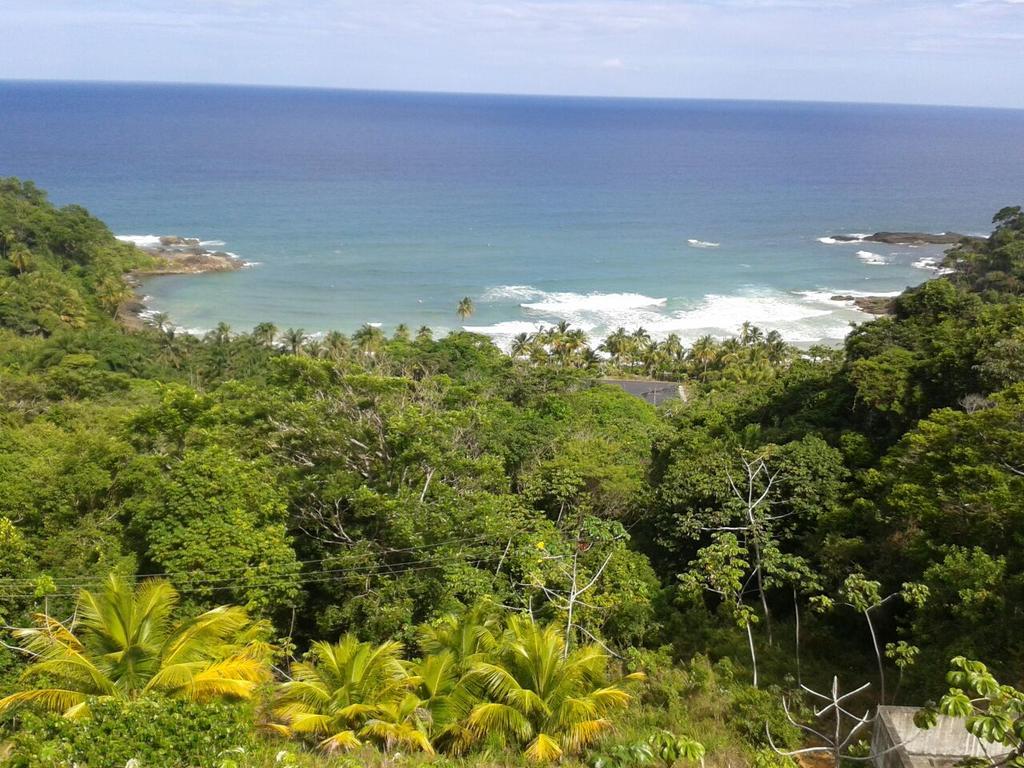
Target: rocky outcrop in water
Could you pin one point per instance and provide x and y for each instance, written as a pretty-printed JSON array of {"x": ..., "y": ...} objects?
[
  {"x": 187, "y": 256},
  {"x": 873, "y": 305},
  {"x": 907, "y": 238}
]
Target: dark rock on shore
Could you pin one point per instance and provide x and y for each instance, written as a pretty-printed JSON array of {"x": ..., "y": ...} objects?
[
  {"x": 172, "y": 255},
  {"x": 907, "y": 238},
  {"x": 873, "y": 305},
  {"x": 187, "y": 256}
]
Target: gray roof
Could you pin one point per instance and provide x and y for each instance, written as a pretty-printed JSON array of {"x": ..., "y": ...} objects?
[
  {"x": 943, "y": 745},
  {"x": 654, "y": 392}
]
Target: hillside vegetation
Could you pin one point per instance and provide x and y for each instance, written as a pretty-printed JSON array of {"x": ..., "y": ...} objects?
[{"x": 266, "y": 548}]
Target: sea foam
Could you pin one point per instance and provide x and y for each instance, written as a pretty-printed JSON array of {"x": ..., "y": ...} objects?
[
  {"x": 565, "y": 304},
  {"x": 142, "y": 241},
  {"x": 801, "y": 317},
  {"x": 702, "y": 244},
  {"x": 851, "y": 239},
  {"x": 932, "y": 263},
  {"x": 507, "y": 328},
  {"x": 875, "y": 259}
]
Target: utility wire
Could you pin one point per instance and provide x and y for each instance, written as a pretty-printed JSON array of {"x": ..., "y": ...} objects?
[
  {"x": 83, "y": 581},
  {"x": 266, "y": 579}
]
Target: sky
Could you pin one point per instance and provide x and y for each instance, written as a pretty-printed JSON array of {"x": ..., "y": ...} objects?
[{"x": 968, "y": 52}]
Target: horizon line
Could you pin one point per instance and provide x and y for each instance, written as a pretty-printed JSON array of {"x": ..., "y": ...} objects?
[{"x": 497, "y": 94}]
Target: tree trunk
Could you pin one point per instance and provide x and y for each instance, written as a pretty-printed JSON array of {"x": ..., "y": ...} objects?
[{"x": 753, "y": 654}]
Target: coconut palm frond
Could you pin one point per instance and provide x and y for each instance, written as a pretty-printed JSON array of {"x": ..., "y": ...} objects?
[
  {"x": 124, "y": 643},
  {"x": 357, "y": 710},
  {"x": 543, "y": 749},
  {"x": 400, "y": 734},
  {"x": 49, "y": 633},
  {"x": 610, "y": 698},
  {"x": 305, "y": 692},
  {"x": 278, "y": 729},
  {"x": 75, "y": 671},
  {"x": 174, "y": 676},
  {"x": 57, "y": 700},
  {"x": 573, "y": 709},
  {"x": 582, "y": 734},
  {"x": 344, "y": 741},
  {"x": 501, "y": 720},
  {"x": 310, "y": 722},
  {"x": 235, "y": 678},
  {"x": 207, "y": 635}
]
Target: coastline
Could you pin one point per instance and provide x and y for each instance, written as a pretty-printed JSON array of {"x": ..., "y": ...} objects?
[{"x": 172, "y": 255}]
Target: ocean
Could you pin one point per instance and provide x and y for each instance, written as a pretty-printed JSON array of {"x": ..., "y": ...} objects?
[{"x": 363, "y": 207}]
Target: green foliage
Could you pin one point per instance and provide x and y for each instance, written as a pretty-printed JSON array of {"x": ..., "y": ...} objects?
[
  {"x": 126, "y": 643},
  {"x": 542, "y": 697},
  {"x": 992, "y": 711},
  {"x": 214, "y": 513},
  {"x": 61, "y": 268},
  {"x": 366, "y": 486},
  {"x": 151, "y": 732}
]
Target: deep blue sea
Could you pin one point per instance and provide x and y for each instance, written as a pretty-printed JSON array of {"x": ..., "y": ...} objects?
[{"x": 361, "y": 207}]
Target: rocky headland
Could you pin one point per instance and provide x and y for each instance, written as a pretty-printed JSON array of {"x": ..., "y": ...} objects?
[
  {"x": 171, "y": 255},
  {"x": 872, "y": 305},
  {"x": 907, "y": 238},
  {"x": 186, "y": 256}
]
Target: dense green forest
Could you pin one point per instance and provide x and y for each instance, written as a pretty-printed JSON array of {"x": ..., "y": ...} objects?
[{"x": 270, "y": 548}]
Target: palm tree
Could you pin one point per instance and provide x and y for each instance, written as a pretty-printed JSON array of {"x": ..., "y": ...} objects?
[
  {"x": 542, "y": 699},
  {"x": 654, "y": 358},
  {"x": 520, "y": 345},
  {"x": 401, "y": 332},
  {"x": 6, "y": 241},
  {"x": 750, "y": 334},
  {"x": 590, "y": 358},
  {"x": 264, "y": 334},
  {"x": 776, "y": 347},
  {"x": 20, "y": 258},
  {"x": 221, "y": 334},
  {"x": 124, "y": 643},
  {"x": 641, "y": 336},
  {"x": 451, "y": 647},
  {"x": 336, "y": 344},
  {"x": 465, "y": 308},
  {"x": 369, "y": 340},
  {"x": 445, "y": 696},
  {"x": 704, "y": 352},
  {"x": 468, "y": 636},
  {"x": 616, "y": 345},
  {"x": 349, "y": 691},
  {"x": 730, "y": 351},
  {"x": 673, "y": 347},
  {"x": 573, "y": 342},
  {"x": 424, "y": 334},
  {"x": 294, "y": 338},
  {"x": 112, "y": 291},
  {"x": 314, "y": 348},
  {"x": 160, "y": 320}
]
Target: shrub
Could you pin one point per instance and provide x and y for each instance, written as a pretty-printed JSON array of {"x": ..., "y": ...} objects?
[{"x": 153, "y": 732}]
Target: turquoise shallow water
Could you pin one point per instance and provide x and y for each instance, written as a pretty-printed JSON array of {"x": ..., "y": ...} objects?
[{"x": 385, "y": 208}]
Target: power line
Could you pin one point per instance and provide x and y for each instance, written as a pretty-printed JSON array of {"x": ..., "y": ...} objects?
[
  {"x": 172, "y": 575},
  {"x": 272, "y": 579}
]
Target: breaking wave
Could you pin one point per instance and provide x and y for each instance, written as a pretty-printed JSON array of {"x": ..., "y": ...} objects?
[
  {"x": 850, "y": 239},
  {"x": 801, "y": 317},
  {"x": 875, "y": 259},
  {"x": 142, "y": 241}
]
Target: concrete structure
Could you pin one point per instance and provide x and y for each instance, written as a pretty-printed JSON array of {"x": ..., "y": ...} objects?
[
  {"x": 942, "y": 746},
  {"x": 654, "y": 392}
]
